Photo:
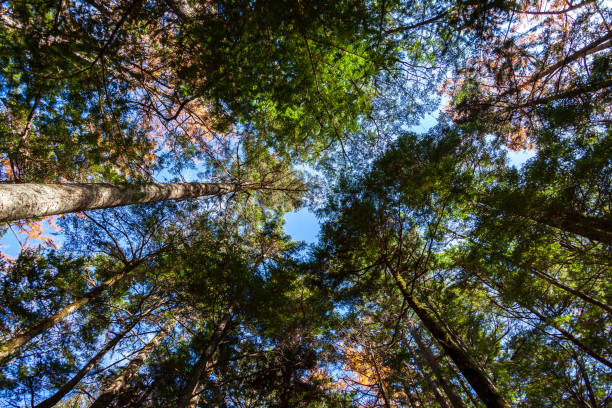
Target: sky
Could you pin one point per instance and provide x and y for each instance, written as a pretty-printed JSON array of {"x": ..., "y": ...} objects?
[
  {"x": 303, "y": 225},
  {"x": 300, "y": 225}
]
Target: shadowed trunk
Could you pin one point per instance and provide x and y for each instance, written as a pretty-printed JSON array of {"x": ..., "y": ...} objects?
[
  {"x": 432, "y": 361},
  {"x": 433, "y": 386},
  {"x": 190, "y": 395},
  {"x": 381, "y": 385},
  {"x": 587, "y": 298},
  {"x": 29, "y": 200},
  {"x": 10, "y": 347},
  {"x": 66, "y": 388},
  {"x": 120, "y": 383},
  {"x": 478, "y": 379},
  {"x": 595, "y": 228}
]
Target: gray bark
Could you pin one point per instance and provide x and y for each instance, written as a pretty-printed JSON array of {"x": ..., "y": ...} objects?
[
  {"x": 190, "y": 396},
  {"x": 10, "y": 347},
  {"x": 120, "y": 383},
  {"x": 29, "y": 200},
  {"x": 66, "y": 388}
]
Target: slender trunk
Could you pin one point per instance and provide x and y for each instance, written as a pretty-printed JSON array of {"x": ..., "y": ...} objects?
[
  {"x": 594, "y": 228},
  {"x": 418, "y": 396},
  {"x": 597, "y": 45},
  {"x": 432, "y": 361},
  {"x": 66, "y": 388},
  {"x": 10, "y": 347},
  {"x": 478, "y": 379},
  {"x": 190, "y": 396},
  {"x": 575, "y": 292},
  {"x": 430, "y": 382},
  {"x": 379, "y": 379},
  {"x": 565, "y": 334},
  {"x": 571, "y": 338},
  {"x": 28, "y": 200},
  {"x": 409, "y": 397},
  {"x": 120, "y": 383}
]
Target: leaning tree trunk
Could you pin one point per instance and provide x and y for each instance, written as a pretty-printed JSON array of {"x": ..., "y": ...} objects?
[
  {"x": 66, "y": 388},
  {"x": 381, "y": 385},
  {"x": 190, "y": 395},
  {"x": 432, "y": 361},
  {"x": 120, "y": 383},
  {"x": 10, "y": 347},
  {"x": 433, "y": 385},
  {"x": 478, "y": 379},
  {"x": 30, "y": 200},
  {"x": 595, "y": 228},
  {"x": 587, "y": 298}
]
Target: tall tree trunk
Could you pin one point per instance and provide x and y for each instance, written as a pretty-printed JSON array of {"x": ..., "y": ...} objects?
[
  {"x": 478, "y": 379},
  {"x": 66, "y": 388},
  {"x": 9, "y": 348},
  {"x": 433, "y": 386},
  {"x": 190, "y": 395},
  {"x": 381, "y": 385},
  {"x": 433, "y": 363},
  {"x": 579, "y": 294},
  {"x": 570, "y": 337},
  {"x": 28, "y": 200},
  {"x": 120, "y": 383},
  {"x": 596, "y": 229},
  {"x": 565, "y": 334}
]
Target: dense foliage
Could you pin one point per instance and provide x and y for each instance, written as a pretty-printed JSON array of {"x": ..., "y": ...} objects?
[{"x": 446, "y": 273}]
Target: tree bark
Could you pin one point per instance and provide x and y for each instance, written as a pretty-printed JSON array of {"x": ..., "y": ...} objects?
[
  {"x": 120, "y": 383},
  {"x": 432, "y": 361},
  {"x": 66, "y": 388},
  {"x": 594, "y": 228},
  {"x": 478, "y": 379},
  {"x": 575, "y": 292},
  {"x": 571, "y": 338},
  {"x": 430, "y": 381},
  {"x": 190, "y": 396},
  {"x": 381, "y": 385},
  {"x": 597, "y": 229},
  {"x": 10, "y": 347},
  {"x": 28, "y": 200}
]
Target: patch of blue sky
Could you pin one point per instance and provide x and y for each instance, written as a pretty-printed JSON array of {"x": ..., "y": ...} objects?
[
  {"x": 518, "y": 158},
  {"x": 302, "y": 225}
]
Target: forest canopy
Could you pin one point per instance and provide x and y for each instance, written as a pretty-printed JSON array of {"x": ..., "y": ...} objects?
[{"x": 151, "y": 151}]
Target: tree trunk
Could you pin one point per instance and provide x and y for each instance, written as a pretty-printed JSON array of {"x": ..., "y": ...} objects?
[
  {"x": 478, "y": 379},
  {"x": 565, "y": 334},
  {"x": 575, "y": 292},
  {"x": 381, "y": 385},
  {"x": 66, "y": 388},
  {"x": 596, "y": 229},
  {"x": 120, "y": 383},
  {"x": 8, "y": 348},
  {"x": 190, "y": 396},
  {"x": 571, "y": 338},
  {"x": 430, "y": 381},
  {"x": 432, "y": 361},
  {"x": 28, "y": 200}
]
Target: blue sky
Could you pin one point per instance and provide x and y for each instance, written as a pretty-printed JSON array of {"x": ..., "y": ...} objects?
[{"x": 301, "y": 225}]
